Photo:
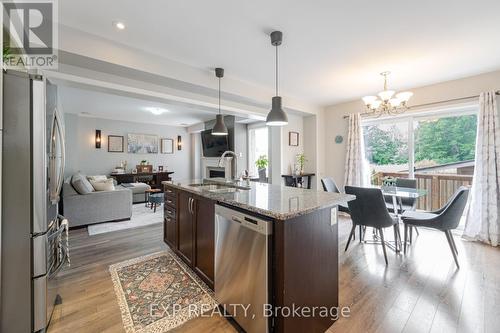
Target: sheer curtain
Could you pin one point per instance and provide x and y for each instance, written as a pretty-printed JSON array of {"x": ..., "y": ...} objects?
[
  {"x": 356, "y": 168},
  {"x": 483, "y": 221}
]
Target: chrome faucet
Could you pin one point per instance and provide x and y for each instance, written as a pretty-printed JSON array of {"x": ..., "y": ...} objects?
[{"x": 235, "y": 159}]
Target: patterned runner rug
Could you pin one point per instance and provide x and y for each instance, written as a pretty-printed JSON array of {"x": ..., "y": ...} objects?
[{"x": 158, "y": 292}]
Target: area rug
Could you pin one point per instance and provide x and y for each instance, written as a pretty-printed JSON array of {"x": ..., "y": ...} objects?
[
  {"x": 141, "y": 216},
  {"x": 158, "y": 292}
]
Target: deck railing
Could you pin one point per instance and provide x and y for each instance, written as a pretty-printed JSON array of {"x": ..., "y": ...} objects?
[{"x": 440, "y": 187}]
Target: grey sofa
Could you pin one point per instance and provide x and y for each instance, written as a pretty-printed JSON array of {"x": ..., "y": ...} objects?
[{"x": 96, "y": 207}]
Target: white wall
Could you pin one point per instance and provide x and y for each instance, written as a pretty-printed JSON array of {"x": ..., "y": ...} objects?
[
  {"x": 241, "y": 146},
  {"x": 275, "y": 148},
  {"x": 196, "y": 155},
  {"x": 289, "y": 153},
  {"x": 83, "y": 156},
  {"x": 311, "y": 149},
  {"x": 335, "y": 124}
]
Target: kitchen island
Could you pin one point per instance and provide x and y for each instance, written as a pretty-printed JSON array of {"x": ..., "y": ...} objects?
[{"x": 303, "y": 243}]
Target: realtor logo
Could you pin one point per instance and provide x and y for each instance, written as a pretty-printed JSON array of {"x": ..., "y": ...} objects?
[{"x": 30, "y": 34}]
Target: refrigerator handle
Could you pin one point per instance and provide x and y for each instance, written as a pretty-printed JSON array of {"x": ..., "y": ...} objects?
[
  {"x": 52, "y": 165},
  {"x": 65, "y": 225},
  {"x": 53, "y": 272},
  {"x": 60, "y": 176}
]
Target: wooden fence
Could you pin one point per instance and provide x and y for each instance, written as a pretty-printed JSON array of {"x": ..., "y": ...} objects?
[{"x": 439, "y": 187}]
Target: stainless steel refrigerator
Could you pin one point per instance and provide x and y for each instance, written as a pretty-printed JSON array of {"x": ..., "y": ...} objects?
[{"x": 33, "y": 238}]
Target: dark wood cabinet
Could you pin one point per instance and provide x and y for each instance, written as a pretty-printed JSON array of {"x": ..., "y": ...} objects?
[
  {"x": 154, "y": 179},
  {"x": 304, "y": 251},
  {"x": 171, "y": 231},
  {"x": 185, "y": 224},
  {"x": 298, "y": 180},
  {"x": 189, "y": 230},
  {"x": 205, "y": 239},
  {"x": 305, "y": 271},
  {"x": 170, "y": 219}
]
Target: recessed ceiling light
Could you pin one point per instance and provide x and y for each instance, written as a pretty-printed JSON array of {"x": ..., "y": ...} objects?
[
  {"x": 119, "y": 25},
  {"x": 156, "y": 111}
]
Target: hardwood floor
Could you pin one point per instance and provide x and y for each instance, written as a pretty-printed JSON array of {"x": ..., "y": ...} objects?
[
  {"x": 422, "y": 292},
  {"x": 89, "y": 301}
]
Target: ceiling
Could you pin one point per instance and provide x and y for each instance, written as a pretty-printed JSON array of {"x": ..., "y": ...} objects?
[
  {"x": 98, "y": 104},
  {"x": 333, "y": 50}
]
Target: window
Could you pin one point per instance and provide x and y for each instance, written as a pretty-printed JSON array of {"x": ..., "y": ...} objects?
[
  {"x": 386, "y": 147},
  {"x": 436, "y": 148},
  {"x": 445, "y": 144},
  {"x": 257, "y": 146}
]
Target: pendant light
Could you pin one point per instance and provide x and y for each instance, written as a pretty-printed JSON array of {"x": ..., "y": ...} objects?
[
  {"x": 276, "y": 117},
  {"x": 219, "y": 127}
]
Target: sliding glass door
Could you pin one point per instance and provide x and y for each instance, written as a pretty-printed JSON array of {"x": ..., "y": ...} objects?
[
  {"x": 386, "y": 149},
  {"x": 444, "y": 155},
  {"x": 436, "y": 148}
]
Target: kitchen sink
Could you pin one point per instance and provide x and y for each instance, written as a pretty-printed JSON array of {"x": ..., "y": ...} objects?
[
  {"x": 224, "y": 190},
  {"x": 220, "y": 188}
]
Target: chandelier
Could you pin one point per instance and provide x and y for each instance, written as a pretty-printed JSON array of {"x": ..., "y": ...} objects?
[{"x": 387, "y": 101}]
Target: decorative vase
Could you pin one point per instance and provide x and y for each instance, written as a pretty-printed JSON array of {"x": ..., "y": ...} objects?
[
  {"x": 389, "y": 181},
  {"x": 262, "y": 174},
  {"x": 296, "y": 170}
]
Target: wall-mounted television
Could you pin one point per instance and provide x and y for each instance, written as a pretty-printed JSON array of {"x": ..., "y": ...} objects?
[{"x": 213, "y": 145}]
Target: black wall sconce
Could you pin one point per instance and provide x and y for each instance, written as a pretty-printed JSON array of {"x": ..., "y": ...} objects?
[
  {"x": 179, "y": 142},
  {"x": 98, "y": 139}
]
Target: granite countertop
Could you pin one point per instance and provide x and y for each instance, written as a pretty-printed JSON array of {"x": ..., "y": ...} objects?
[{"x": 275, "y": 201}]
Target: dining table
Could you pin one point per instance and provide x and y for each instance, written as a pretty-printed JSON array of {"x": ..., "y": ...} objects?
[{"x": 398, "y": 194}]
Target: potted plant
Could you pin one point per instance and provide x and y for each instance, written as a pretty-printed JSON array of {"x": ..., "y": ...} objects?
[
  {"x": 144, "y": 162},
  {"x": 301, "y": 160},
  {"x": 6, "y": 52},
  {"x": 261, "y": 164}
]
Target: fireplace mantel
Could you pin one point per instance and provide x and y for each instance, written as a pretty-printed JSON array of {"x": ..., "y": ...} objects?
[{"x": 212, "y": 163}]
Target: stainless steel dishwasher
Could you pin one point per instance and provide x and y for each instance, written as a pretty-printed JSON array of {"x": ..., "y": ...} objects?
[{"x": 242, "y": 260}]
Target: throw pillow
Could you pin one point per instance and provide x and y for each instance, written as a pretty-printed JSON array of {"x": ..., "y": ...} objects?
[
  {"x": 81, "y": 184},
  {"x": 106, "y": 185},
  {"x": 98, "y": 178}
]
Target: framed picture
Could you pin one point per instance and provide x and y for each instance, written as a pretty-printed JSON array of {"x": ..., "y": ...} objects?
[
  {"x": 167, "y": 146},
  {"x": 293, "y": 138},
  {"x": 115, "y": 144},
  {"x": 142, "y": 144}
]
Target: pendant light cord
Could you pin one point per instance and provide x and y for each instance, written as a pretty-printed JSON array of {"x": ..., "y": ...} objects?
[
  {"x": 219, "y": 95},
  {"x": 277, "y": 73}
]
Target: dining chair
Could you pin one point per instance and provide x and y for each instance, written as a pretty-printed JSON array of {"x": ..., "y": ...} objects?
[
  {"x": 369, "y": 210},
  {"x": 329, "y": 185},
  {"x": 444, "y": 219},
  {"x": 404, "y": 204}
]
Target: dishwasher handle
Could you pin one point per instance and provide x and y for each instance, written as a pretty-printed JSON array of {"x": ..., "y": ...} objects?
[{"x": 247, "y": 221}]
